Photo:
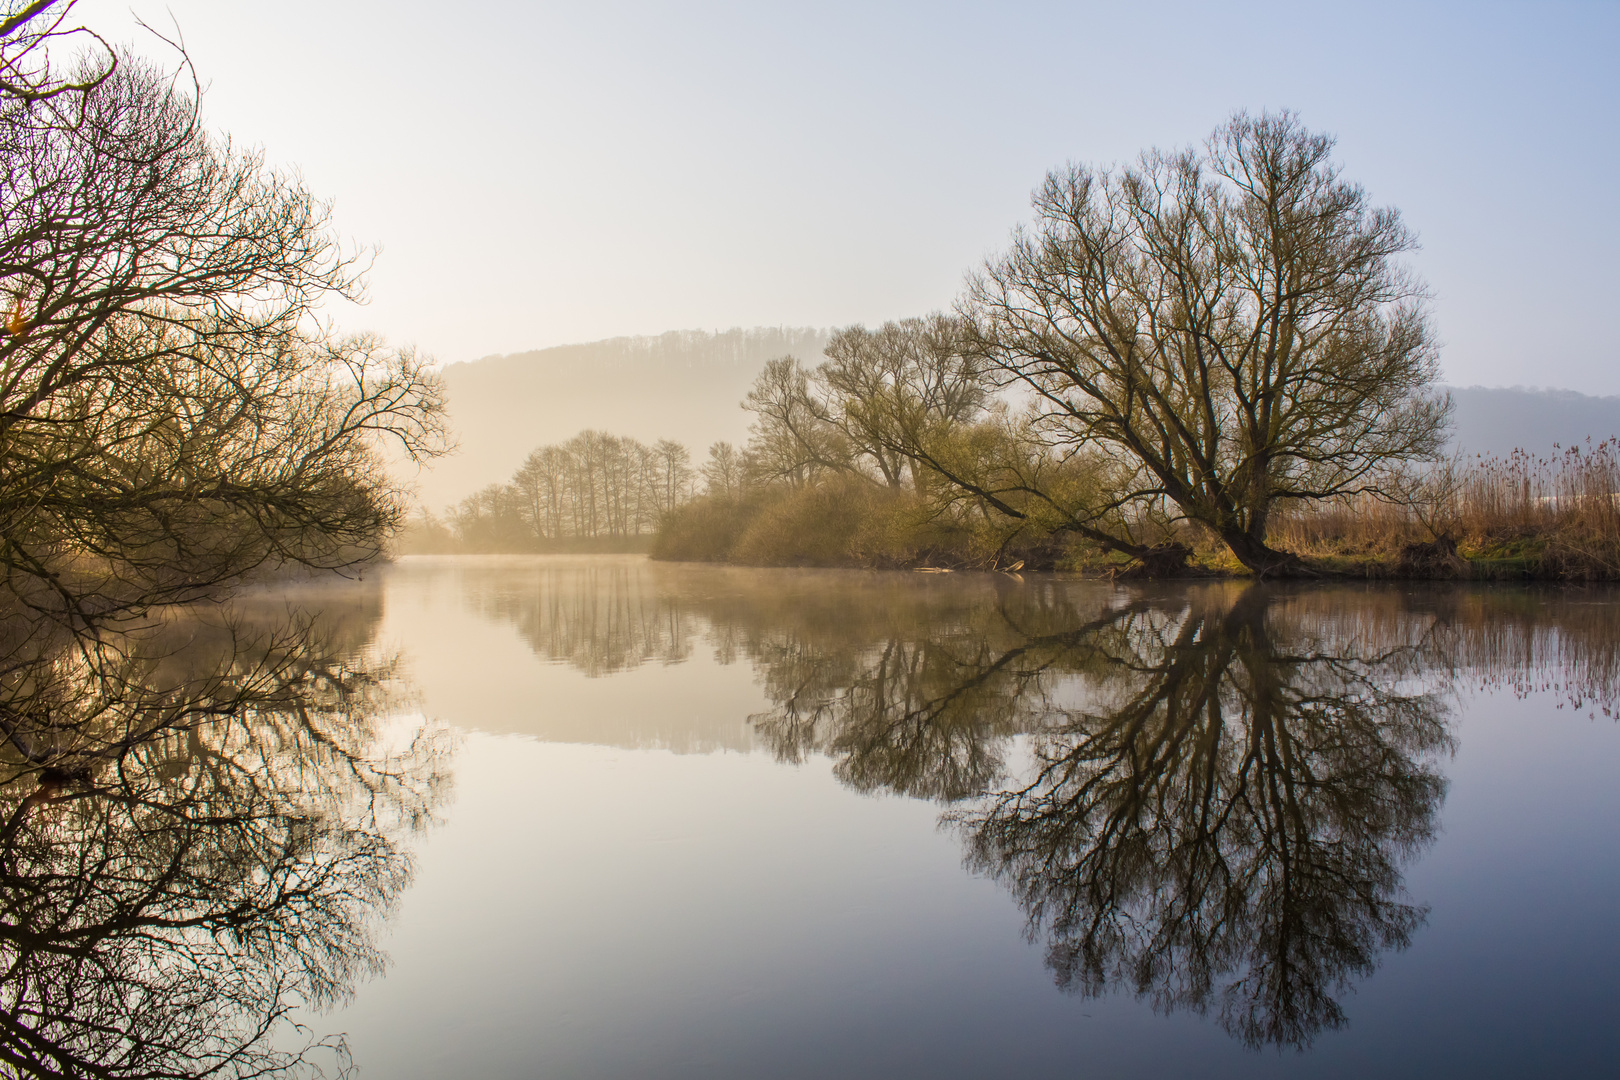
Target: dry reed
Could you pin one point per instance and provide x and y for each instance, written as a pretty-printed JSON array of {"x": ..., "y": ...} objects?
[{"x": 1521, "y": 515}]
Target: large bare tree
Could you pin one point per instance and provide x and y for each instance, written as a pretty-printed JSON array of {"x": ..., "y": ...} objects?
[
  {"x": 173, "y": 411},
  {"x": 1232, "y": 323}
]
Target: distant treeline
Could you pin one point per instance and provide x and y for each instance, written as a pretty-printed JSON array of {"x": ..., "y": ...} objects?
[
  {"x": 683, "y": 385},
  {"x": 595, "y": 492}
]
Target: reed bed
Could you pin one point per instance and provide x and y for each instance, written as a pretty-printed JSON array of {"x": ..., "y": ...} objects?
[{"x": 1518, "y": 516}]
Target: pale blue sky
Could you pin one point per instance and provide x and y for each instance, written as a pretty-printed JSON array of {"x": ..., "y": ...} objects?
[{"x": 542, "y": 173}]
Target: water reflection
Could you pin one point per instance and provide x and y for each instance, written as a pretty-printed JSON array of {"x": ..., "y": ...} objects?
[
  {"x": 1220, "y": 824},
  {"x": 1205, "y": 796},
  {"x": 201, "y": 829},
  {"x": 1226, "y": 829},
  {"x": 602, "y": 616},
  {"x": 926, "y": 713}
]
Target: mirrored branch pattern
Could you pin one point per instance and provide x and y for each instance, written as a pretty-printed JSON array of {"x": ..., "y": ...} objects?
[{"x": 201, "y": 825}]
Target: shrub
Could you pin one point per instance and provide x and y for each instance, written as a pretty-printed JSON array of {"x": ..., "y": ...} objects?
[
  {"x": 844, "y": 521},
  {"x": 703, "y": 530},
  {"x": 817, "y": 525}
]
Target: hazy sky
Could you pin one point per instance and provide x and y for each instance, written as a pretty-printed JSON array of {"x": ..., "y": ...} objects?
[{"x": 542, "y": 173}]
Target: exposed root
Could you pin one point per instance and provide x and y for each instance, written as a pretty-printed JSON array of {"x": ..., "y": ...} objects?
[{"x": 1159, "y": 561}]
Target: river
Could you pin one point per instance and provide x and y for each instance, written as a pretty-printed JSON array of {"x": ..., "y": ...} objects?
[{"x": 604, "y": 817}]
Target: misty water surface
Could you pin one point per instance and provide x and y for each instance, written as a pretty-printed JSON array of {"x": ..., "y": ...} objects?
[{"x": 607, "y": 817}]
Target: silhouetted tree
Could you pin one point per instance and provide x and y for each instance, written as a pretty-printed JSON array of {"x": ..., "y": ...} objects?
[
  {"x": 594, "y": 486},
  {"x": 172, "y": 414},
  {"x": 890, "y": 390},
  {"x": 673, "y": 476},
  {"x": 1232, "y": 322},
  {"x": 725, "y": 474},
  {"x": 792, "y": 439}
]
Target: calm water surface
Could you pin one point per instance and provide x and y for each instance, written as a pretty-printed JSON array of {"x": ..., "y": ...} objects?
[{"x": 613, "y": 818}]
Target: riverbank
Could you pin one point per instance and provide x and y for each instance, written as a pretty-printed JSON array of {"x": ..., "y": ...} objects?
[
  {"x": 1527, "y": 559},
  {"x": 1519, "y": 518},
  {"x": 852, "y": 527}
]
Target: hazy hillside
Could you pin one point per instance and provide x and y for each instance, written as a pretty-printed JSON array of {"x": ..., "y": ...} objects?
[
  {"x": 1496, "y": 420},
  {"x": 686, "y": 385}
]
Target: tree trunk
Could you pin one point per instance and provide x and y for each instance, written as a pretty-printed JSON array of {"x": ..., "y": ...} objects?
[
  {"x": 1263, "y": 561},
  {"x": 1159, "y": 561}
]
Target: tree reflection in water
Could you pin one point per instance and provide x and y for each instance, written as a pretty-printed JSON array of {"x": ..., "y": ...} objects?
[
  {"x": 1220, "y": 825},
  {"x": 201, "y": 829},
  {"x": 1226, "y": 830}
]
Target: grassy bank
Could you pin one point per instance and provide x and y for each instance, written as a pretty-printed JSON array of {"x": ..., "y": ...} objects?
[{"x": 1518, "y": 517}]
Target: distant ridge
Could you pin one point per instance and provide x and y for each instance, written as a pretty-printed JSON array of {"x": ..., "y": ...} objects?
[
  {"x": 1499, "y": 420},
  {"x": 693, "y": 348},
  {"x": 687, "y": 385}
]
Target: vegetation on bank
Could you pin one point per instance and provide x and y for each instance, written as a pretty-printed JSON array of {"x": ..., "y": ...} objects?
[
  {"x": 1488, "y": 518},
  {"x": 1510, "y": 518}
]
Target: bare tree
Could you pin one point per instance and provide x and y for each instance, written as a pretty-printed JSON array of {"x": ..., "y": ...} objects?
[
  {"x": 889, "y": 389},
  {"x": 914, "y": 401},
  {"x": 870, "y": 408},
  {"x": 792, "y": 437},
  {"x": 27, "y": 33},
  {"x": 173, "y": 414},
  {"x": 674, "y": 474},
  {"x": 595, "y": 485},
  {"x": 725, "y": 472},
  {"x": 1232, "y": 322},
  {"x": 543, "y": 480}
]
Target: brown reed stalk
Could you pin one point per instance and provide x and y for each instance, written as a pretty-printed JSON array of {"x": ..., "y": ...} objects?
[{"x": 1555, "y": 516}]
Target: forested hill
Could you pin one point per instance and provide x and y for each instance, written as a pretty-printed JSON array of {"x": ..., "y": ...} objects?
[
  {"x": 1497, "y": 420},
  {"x": 685, "y": 385}
]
